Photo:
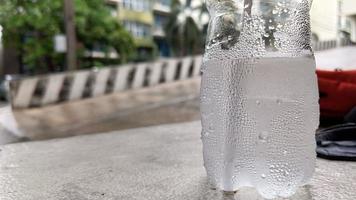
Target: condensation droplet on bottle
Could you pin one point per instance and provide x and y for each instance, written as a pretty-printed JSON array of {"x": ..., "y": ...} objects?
[
  {"x": 263, "y": 136},
  {"x": 258, "y": 102},
  {"x": 263, "y": 176}
]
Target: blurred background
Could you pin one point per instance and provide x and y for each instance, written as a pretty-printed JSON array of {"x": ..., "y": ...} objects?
[{"x": 72, "y": 67}]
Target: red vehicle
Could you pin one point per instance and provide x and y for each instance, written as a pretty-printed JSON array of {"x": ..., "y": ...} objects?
[{"x": 337, "y": 92}]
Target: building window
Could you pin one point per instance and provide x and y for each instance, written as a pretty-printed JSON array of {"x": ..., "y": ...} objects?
[
  {"x": 137, "y": 29},
  {"x": 136, "y": 5},
  {"x": 165, "y": 2},
  {"x": 160, "y": 21}
]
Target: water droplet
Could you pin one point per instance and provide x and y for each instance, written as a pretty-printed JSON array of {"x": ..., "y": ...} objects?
[
  {"x": 271, "y": 28},
  {"x": 229, "y": 38},
  {"x": 263, "y": 176},
  {"x": 285, "y": 152},
  {"x": 263, "y": 136},
  {"x": 274, "y": 11},
  {"x": 266, "y": 35},
  {"x": 258, "y": 102}
]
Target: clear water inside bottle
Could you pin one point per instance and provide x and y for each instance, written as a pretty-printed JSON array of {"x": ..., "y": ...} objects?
[{"x": 259, "y": 97}]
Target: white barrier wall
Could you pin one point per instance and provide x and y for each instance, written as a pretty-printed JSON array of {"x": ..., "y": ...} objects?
[{"x": 70, "y": 86}]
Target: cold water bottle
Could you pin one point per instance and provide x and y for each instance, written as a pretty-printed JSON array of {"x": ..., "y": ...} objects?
[{"x": 259, "y": 96}]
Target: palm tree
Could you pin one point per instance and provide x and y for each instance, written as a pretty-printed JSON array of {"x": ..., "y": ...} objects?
[{"x": 185, "y": 27}]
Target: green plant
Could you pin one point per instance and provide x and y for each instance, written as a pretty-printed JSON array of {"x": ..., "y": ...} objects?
[
  {"x": 29, "y": 26},
  {"x": 185, "y": 28}
]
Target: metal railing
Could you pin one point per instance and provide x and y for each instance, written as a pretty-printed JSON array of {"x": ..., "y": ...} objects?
[{"x": 329, "y": 44}]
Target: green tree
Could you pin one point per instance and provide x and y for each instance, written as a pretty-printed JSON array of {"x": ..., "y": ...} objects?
[
  {"x": 185, "y": 28},
  {"x": 30, "y": 27}
]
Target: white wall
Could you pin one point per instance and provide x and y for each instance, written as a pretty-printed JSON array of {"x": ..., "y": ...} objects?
[
  {"x": 349, "y": 7},
  {"x": 324, "y": 19}
]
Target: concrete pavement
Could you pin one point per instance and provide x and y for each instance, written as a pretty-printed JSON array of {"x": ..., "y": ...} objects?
[
  {"x": 338, "y": 58},
  {"x": 160, "y": 162}
]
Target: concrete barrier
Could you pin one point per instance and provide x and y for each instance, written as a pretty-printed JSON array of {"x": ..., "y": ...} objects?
[{"x": 61, "y": 87}]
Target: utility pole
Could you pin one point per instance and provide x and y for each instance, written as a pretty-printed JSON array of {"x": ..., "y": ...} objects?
[
  {"x": 70, "y": 34},
  {"x": 1, "y": 55}
]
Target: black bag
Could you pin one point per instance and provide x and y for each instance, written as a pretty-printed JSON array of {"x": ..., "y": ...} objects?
[{"x": 338, "y": 142}]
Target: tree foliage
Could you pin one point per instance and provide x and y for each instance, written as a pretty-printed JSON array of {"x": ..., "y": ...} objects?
[
  {"x": 185, "y": 28},
  {"x": 30, "y": 26}
]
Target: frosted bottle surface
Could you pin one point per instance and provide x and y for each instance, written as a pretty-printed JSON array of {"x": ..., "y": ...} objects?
[{"x": 259, "y": 97}]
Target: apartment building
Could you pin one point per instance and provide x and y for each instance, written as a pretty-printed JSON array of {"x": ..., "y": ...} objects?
[
  {"x": 161, "y": 10},
  {"x": 331, "y": 19},
  {"x": 145, "y": 20}
]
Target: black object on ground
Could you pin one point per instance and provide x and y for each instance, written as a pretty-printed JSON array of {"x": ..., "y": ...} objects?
[{"x": 338, "y": 142}]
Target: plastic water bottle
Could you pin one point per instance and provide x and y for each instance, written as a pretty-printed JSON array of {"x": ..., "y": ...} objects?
[{"x": 259, "y": 96}]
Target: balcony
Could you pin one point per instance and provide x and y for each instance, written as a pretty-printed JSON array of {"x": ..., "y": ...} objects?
[
  {"x": 158, "y": 32},
  {"x": 158, "y": 7}
]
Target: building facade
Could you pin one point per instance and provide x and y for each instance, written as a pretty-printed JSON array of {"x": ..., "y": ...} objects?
[
  {"x": 349, "y": 15},
  {"x": 161, "y": 10},
  {"x": 332, "y": 19},
  {"x": 145, "y": 20}
]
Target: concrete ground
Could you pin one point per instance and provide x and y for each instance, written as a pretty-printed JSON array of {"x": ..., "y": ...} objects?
[
  {"x": 160, "y": 162},
  {"x": 3, "y": 104},
  {"x": 338, "y": 58}
]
